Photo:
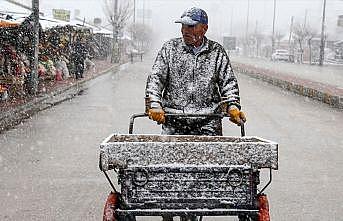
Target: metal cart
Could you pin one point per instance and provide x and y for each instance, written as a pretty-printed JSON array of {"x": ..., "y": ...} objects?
[{"x": 186, "y": 175}]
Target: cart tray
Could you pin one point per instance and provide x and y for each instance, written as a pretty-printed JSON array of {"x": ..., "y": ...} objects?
[{"x": 123, "y": 150}]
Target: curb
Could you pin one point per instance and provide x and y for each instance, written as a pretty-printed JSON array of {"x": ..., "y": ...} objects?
[
  {"x": 16, "y": 115},
  {"x": 325, "y": 93}
]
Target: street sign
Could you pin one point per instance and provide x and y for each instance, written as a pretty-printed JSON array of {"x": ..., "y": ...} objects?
[
  {"x": 229, "y": 43},
  {"x": 61, "y": 14}
]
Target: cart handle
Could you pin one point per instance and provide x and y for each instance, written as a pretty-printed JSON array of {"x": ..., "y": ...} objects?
[{"x": 134, "y": 116}]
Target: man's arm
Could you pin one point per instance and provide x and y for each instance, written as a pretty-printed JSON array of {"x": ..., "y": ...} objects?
[
  {"x": 228, "y": 83},
  {"x": 157, "y": 79},
  {"x": 230, "y": 92},
  {"x": 155, "y": 85}
]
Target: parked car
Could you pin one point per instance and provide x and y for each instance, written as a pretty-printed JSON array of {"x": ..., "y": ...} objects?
[{"x": 282, "y": 55}]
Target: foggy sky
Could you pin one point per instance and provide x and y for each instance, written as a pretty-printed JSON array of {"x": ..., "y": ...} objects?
[
  {"x": 225, "y": 16},
  {"x": 221, "y": 12}
]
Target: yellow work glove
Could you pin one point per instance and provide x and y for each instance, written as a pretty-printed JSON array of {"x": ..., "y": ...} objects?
[
  {"x": 236, "y": 116},
  {"x": 157, "y": 114}
]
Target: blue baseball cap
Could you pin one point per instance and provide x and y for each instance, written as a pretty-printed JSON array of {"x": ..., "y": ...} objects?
[{"x": 193, "y": 16}]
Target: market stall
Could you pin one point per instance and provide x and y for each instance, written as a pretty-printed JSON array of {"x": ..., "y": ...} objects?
[
  {"x": 14, "y": 65},
  {"x": 65, "y": 50}
]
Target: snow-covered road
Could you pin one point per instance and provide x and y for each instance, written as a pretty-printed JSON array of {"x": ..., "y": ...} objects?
[{"x": 49, "y": 164}]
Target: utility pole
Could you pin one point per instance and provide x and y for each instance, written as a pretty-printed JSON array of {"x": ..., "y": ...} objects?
[
  {"x": 143, "y": 12},
  {"x": 257, "y": 39},
  {"x": 322, "y": 37},
  {"x": 134, "y": 23},
  {"x": 134, "y": 11},
  {"x": 290, "y": 46},
  {"x": 305, "y": 19},
  {"x": 33, "y": 81},
  {"x": 247, "y": 30},
  {"x": 247, "y": 25},
  {"x": 273, "y": 37},
  {"x": 290, "y": 31},
  {"x": 115, "y": 46}
]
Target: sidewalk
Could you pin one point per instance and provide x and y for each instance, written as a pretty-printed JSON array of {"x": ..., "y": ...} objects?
[
  {"x": 320, "y": 83},
  {"x": 15, "y": 111}
]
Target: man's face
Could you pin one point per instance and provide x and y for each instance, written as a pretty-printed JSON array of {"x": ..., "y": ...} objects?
[{"x": 193, "y": 34}]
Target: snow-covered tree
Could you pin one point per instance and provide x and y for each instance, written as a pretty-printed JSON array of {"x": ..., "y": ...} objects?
[
  {"x": 300, "y": 34},
  {"x": 141, "y": 36},
  {"x": 118, "y": 12}
]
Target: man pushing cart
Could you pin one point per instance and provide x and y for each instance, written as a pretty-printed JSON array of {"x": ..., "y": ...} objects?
[{"x": 191, "y": 170}]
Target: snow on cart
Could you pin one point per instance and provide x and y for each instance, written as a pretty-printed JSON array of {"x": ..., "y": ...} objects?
[{"x": 182, "y": 175}]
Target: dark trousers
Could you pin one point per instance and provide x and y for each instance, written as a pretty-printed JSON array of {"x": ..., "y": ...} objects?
[
  {"x": 188, "y": 126},
  {"x": 79, "y": 68}
]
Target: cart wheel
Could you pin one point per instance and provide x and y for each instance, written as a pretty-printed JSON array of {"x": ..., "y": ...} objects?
[
  {"x": 112, "y": 203},
  {"x": 263, "y": 213}
]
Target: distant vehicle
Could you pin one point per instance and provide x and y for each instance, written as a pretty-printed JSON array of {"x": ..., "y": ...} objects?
[{"x": 282, "y": 55}]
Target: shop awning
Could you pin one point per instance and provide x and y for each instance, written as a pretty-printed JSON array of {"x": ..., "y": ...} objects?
[
  {"x": 47, "y": 23},
  {"x": 8, "y": 24},
  {"x": 102, "y": 31}
]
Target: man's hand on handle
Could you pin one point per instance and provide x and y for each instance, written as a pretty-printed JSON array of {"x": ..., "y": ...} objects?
[
  {"x": 236, "y": 116},
  {"x": 157, "y": 114}
]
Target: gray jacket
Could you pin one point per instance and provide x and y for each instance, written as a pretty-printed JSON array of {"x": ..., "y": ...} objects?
[{"x": 192, "y": 83}]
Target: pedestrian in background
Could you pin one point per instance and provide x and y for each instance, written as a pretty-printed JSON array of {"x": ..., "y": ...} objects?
[{"x": 79, "y": 56}]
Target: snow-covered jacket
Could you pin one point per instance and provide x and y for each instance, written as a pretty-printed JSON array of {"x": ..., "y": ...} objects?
[{"x": 191, "y": 82}]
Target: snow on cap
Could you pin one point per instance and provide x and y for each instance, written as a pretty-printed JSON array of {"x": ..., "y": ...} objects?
[{"x": 193, "y": 16}]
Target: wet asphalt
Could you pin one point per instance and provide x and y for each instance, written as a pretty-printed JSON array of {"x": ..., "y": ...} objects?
[{"x": 49, "y": 163}]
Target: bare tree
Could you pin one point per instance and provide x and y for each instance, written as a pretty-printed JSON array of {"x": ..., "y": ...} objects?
[
  {"x": 310, "y": 34},
  {"x": 300, "y": 34},
  {"x": 250, "y": 45},
  {"x": 118, "y": 12},
  {"x": 141, "y": 36},
  {"x": 259, "y": 37},
  {"x": 254, "y": 43}
]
